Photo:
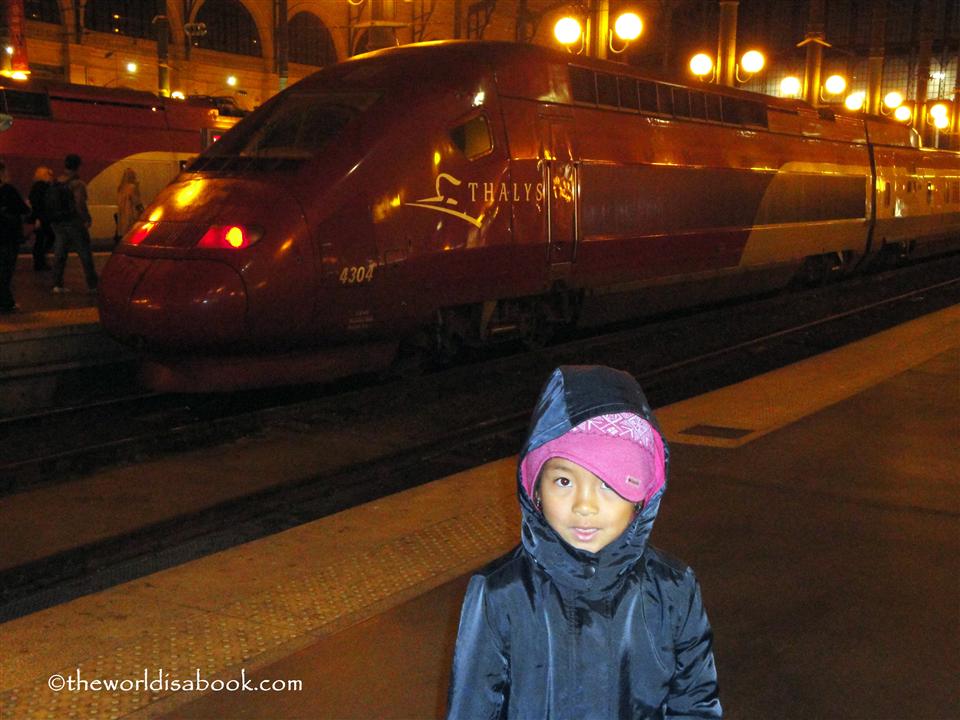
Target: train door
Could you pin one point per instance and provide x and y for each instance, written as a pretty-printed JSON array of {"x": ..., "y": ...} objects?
[{"x": 561, "y": 184}]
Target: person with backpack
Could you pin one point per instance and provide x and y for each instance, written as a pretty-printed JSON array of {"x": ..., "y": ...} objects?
[
  {"x": 12, "y": 210},
  {"x": 66, "y": 206}
]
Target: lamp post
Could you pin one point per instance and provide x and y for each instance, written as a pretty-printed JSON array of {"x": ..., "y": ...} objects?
[
  {"x": 727, "y": 43},
  {"x": 568, "y": 31}
]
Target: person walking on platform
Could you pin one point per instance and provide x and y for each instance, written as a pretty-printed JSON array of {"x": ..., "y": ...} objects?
[
  {"x": 129, "y": 205},
  {"x": 66, "y": 204},
  {"x": 585, "y": 619},
  {"x": 42, "y": 231},
  {"x": 12, "y": 211}
]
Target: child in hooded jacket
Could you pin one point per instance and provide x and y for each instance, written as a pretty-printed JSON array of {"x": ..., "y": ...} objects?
[{"x": 584, "y": 619}]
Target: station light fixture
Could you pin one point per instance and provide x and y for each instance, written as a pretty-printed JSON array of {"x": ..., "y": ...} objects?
[
  {"x": 752, "y": 61},
  {"x": 131, "y": 67},
  {"x": 9, "y": 49},
  {"x": 701, "y": 65},
  {"x": 232, "y": 80},
  {"x": 567, "y": 30},
  {"x": 835, "y": 84},
  {"x": 855, "y": 100},
  {"x": 628, "y": 26},
  {"x": 940, "y": 123},
  {"x": 790, "y": 86},
  {"x": 178, "y": 95},
  {"x": 902, "y": 113},
  {"x": 938, "y": 110},
  {"x": 893, "y": 99}
]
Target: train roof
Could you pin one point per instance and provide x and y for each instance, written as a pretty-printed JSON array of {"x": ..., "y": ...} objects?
[{"x": 450, "y": 54}]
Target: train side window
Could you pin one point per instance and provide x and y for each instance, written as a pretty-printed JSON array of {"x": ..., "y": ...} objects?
[
  {"x": 665, "y": 99},
  {"x": 647, "y": 92},
  {"x": 681, "y": 102},
  {"x": 20, "y": 102},
  {"x": 629, "y": 98},
  {"x": 473, "y": 137},
  {"x": 713, "y": 107},
  {"x": 698, "y": 106},
  {"x": 583, "y": 87},
  {"x": 607, "y": 90}
]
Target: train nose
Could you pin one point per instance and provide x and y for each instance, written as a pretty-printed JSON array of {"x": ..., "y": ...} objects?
[{"x": 168, "y": 304}]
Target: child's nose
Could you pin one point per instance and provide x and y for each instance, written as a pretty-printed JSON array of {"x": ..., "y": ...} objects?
[{"x": 585, "y": 502}]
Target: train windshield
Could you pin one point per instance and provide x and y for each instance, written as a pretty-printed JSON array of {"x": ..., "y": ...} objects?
[{"x": 297, "y": 126}]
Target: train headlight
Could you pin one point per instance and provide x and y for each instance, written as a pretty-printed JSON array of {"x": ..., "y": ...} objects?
[{"x": 230, "y": 237}]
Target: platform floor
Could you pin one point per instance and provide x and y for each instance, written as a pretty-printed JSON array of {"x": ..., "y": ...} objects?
[
  {"x": 819, "y": 505},
  {"x": 39, "y": 307}
]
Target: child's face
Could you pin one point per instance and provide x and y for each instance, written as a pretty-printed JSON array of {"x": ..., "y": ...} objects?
[{"x": 580, "y": 507}]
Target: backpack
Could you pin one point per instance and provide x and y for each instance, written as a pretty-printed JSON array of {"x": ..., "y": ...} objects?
[{"x": 60, "y": 203}]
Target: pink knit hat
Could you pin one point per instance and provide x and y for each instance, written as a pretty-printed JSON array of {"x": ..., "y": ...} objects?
[{"x": 622, "y": 449}]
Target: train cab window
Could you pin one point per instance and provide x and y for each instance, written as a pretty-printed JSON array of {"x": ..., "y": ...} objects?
[
  {"x": 473, "y": 137},
  {"x": 665, "y": 99},
  {"x": 647, "y": 92},
  {"x": 297, "y": 126},
  {"x": 681, "y": 102},
  {"x": 607, "y": 90},
  {"x": 20, "y": 102},
  {"x": 583, "y": 88},
  {"x": 698, "y": 107},
  {"x": 712, "y": 103},
  {"x": 629, "y": 100}
]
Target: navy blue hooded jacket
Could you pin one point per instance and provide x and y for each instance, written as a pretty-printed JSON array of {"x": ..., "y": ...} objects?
[{"x": 552, "y": 631}]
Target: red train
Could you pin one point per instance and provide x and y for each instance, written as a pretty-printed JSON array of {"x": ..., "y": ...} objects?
[
  {"x": 453, "y": 193},
  {"x": 111, "y": 129}
]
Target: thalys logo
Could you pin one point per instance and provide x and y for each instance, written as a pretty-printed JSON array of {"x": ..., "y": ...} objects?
[{"x": 488, "y": 191}]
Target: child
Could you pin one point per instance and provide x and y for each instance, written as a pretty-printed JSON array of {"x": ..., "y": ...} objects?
[{"x": 584, "y": 619}]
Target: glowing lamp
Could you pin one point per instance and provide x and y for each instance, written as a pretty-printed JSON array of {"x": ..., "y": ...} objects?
[
  {"x": 701, "y": 64},
  {"x": 752, "y": 61},
  {"x": 938, "y": 111},
  {"x": 567, "y": 30},
  {"x": 893, "y": 100},
  {"x": 902, "y": 113},
  {"x": 232, "y": 80},
  {"x": 131, "y": 67},
  {"x": 941, "y": 122},
  {"x": 790, "y": 86},
  {"x": 855, "y": 101},
  {"x": 628, "y": 26},
  {"x": 177, "y": 95},
  {"x": 835, "y": 84}
]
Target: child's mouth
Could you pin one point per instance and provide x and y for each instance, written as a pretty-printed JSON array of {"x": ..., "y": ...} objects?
[{"x": 585, "y": 534}]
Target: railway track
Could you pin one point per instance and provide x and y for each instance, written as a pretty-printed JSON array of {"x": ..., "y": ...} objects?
[
  {"x": 753, "y": 338},
  {"x": 67, "y": 442}
]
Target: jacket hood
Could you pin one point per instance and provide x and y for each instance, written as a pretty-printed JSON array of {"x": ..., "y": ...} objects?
[{"x": 573, "y": 394}]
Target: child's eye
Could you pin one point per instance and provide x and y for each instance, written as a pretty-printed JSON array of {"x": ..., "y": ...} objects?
[{"x": 562, "y": 482}]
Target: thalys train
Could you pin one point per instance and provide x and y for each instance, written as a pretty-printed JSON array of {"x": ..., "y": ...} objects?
[{"x": 458, "y": 193}]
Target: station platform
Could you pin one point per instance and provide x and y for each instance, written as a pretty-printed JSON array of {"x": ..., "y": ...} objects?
[
  {"x": 50, "y": 336},
  {"x": 819, "y": 505}
]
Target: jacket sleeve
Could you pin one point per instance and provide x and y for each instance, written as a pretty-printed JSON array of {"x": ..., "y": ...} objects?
[
  {"x": 693, "y": 689},
  {"x": 480, "y": 681}
]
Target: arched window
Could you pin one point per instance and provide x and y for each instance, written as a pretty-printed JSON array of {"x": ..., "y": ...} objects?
[
  {"x": 133, "y": 18},
  {"x": 230, "y": 28},
  {"x": 310, "y": 41},
  {"x": 43, "y": 11}
]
